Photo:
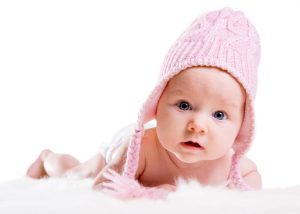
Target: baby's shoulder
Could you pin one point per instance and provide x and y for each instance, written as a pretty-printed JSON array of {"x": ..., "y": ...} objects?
[
  {"x": 247, "y": 166},
  {"x": 250, "y": 173}
]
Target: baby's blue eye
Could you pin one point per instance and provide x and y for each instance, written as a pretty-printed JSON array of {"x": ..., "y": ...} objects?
[
  {"x": 219, "y": 115},
  {"x": 184, "y": 106}
]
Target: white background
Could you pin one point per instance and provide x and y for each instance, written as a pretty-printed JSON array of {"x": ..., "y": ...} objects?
[{"x": 73, "y": 72}]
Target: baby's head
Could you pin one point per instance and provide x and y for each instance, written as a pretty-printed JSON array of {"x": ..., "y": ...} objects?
[
  {"x": 199, "y": 114},
  {"x": 219, "y": 46}
]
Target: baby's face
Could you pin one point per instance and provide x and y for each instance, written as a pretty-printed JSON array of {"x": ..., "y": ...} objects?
[{"x": 199, "y": 114}]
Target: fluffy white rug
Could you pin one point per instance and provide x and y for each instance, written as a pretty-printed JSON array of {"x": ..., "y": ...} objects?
[{"x": 69, "y": 195}]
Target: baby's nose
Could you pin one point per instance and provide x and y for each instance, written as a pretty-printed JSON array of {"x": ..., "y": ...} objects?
[{"x": 198, "y": 126}]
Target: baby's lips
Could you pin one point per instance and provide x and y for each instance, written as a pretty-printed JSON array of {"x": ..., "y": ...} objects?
[{"x": 193, "y": 143}]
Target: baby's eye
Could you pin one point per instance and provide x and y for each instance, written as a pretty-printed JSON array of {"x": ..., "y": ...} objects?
[
  {"x": 220, "y": 115},
  {"x": 183, "y": 105}
]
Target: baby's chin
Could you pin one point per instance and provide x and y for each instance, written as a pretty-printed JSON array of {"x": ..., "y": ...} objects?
[
  {"x": 189, "y": 159},
  {"x": 197, "y": 159}
]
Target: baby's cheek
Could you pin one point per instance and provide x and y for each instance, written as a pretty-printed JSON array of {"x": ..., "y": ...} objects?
[{"x": 221, "y": 141}]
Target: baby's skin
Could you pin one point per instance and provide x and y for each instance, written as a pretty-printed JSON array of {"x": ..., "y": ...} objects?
[{"x": 198, "y": 118}]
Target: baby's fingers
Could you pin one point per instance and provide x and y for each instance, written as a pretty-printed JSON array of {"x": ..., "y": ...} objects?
[
  {"x": 109, "y": 185},
  {"x": 99, "y": 179}
]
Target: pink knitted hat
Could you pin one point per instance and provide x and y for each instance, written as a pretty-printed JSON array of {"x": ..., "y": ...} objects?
[{"x": 223, "y": 39}]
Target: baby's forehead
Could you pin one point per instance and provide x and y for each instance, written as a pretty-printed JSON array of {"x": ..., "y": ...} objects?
[
  {"x": 201, "y": 81},
  {"x": 202, "y": 76},
  {"x": 204, "y": 72}
]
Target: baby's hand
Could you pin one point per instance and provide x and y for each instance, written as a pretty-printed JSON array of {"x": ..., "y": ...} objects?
[
  {"x": 100, "y": 178},
  {"x": 116, "y": 164}
]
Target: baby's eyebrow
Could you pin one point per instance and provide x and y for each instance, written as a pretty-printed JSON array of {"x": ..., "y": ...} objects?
[
  {"x": 226, "y": 102},
  {"x": 176, "y": 91},
  {"x": 223, "y": 101}
]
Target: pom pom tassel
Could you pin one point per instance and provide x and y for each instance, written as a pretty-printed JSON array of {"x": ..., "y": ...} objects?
[{"x": 126, "y": 188}]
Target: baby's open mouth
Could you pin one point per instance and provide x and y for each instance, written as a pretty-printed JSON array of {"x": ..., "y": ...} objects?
[{"x": 192, "y": 144}]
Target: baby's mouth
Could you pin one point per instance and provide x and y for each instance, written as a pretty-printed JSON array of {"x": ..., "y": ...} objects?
[{"x": 192, "y": 144}]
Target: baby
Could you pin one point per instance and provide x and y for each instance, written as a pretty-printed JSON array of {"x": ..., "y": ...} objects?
[{"x": 203, "y": 108}]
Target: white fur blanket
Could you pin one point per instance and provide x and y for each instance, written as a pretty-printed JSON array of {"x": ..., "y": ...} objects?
[{"x": 68, "y": 195}]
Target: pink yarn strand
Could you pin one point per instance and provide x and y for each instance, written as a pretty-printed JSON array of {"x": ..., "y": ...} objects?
[
  {"x": 235, "y": 175},
  {"x": 133, "y": 153}
]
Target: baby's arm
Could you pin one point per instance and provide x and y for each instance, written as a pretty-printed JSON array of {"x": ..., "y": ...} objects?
[
  {"x": 111, "y": 182},
  {"x": 116, "y": 164},
  {"x": 250, "y": 173}
]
